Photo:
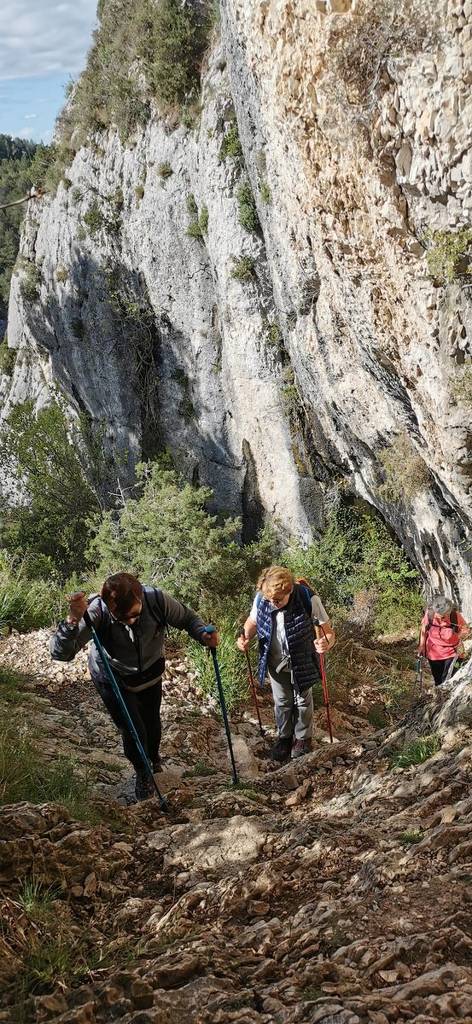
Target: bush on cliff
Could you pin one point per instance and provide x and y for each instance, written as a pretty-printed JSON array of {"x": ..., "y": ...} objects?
[
  {"x": 357, "y": 554},
  {"x": 148, "y": 50},
  {"x": 167, "y": 536},
  {"x": 57, "y": 505}
]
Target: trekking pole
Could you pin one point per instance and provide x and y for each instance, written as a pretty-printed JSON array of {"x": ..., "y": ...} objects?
[
  {"x": 211, "y": 629},
  {"x": 163, "y": 804},
  {"x": 253, "y": 688},
  {"x": 324, "y": 682},
  {"x": 419, "y": 673},
  {"x": 419, "y": 665}
]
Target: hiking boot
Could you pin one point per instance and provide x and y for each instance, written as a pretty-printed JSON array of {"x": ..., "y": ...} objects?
[
  {"x": 301, "y": 747},
  {"x": 281, "y": 750},
  {"x": 143, "y": 788}
]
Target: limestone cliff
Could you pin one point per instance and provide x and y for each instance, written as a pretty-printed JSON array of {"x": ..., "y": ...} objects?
[{"x": 325, "y": 340}]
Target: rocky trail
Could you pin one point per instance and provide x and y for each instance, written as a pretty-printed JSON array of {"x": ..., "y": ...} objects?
[{"x": 332, "y": 890}]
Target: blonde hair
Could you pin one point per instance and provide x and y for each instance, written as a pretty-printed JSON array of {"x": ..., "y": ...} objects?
[{"x": 276, "y": 579}]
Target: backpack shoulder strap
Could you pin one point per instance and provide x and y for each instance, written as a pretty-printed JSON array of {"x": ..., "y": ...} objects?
[
  {"x": 454, "y": 619},
  {"x": 103, "y": 627},
  {"x": 306, "y": 596},
  {"x": 158, "y": 612}
]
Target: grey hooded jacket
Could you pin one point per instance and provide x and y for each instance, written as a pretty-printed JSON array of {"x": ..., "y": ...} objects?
[{"x": 133, "y": 651}]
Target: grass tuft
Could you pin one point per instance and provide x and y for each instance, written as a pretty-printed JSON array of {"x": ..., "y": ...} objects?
[{"x": 417, "y": 752}]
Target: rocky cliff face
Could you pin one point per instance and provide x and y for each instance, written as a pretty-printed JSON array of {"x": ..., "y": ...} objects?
[{"x": 332, "y": 344}]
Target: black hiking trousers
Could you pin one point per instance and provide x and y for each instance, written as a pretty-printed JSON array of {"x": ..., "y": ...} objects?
[
  {"x": 144, "y": 709},
  {"x": 440, "y": 669}
]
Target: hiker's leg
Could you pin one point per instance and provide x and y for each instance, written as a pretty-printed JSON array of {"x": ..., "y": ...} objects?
[
  {"x": 283, "y": 694},
  {"x": 304, "y": 715},
  {"x": 150, "y": 708},
  {"x": 115, "y": 712},
  {"x": 439, "y": 669}
]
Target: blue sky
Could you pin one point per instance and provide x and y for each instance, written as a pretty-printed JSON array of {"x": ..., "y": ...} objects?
[{"x": 43, "y": 44}]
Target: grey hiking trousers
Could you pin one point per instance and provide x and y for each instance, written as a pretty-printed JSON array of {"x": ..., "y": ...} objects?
[{"x": 293, "y": 711}]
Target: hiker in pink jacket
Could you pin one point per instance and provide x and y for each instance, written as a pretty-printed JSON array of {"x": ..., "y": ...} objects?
[{"x": 442, "y": 630}]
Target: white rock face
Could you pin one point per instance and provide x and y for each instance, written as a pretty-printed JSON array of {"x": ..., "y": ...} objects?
[{"x": 147, "y": 329}]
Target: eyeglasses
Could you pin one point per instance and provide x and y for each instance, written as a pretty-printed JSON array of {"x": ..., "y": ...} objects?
[
  {"x": 132, "y": 616},
  {"x": 278, "y": 598}
]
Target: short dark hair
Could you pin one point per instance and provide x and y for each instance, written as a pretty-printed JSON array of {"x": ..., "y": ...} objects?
[{"x": 121, "y": 591}]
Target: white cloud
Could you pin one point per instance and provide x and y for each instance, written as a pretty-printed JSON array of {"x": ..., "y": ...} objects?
[
  {"x": 41, "y": 36},
  {"x": 29, "y": 117}
]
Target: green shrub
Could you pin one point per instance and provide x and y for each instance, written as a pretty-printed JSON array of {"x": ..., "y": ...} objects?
[
  {"x": 192, "y": 207},
  {"x": 355, "y": 553},
  {"x": 16, "y": 159},
  {"x": 26, "y": 602},
  {"x": 141, "y": 52},
  {"x": 248, "y": 216},
  {"x": 179, "y": 40},
  {"x": 289, "y": 391},
  {"x": 139, "y": 192},
  {"x": 7, "y": 358},
  {"x": 199, "y": 770},
  {"x": 30, "y": 280},
  {"x": 232, "y": 663},
  {"x": 406, "y": 474},
  {"x": 243, "y": 268},
  {"x": 167, "y": 536},
  {"x": 13, "y": 684},
  {"x": 108, "y": 92},
  {"x": 203, "y": 219},
  {"x": 58, "y": 505},
  {"x": 164, "y": 169},
  {"x": 199, "y": 222},
  {"x": 410, "y": 837},
  {"x": 449, "y": 255},
  {"x": 54, "y": 954},
  {"x": 37, "y": 899},
  {"x": 190, "y": 114},
  {"x": 62, "y": 274},
  {"x": 417, "y": 752},
  {"x": 94, "y": 219},
  {"x": 273, "y": 334},
  {"x": 265, "y": 193},
  {"x": 231, "y": 146},
  {"x": 194, "y": 230},
  {"x": 25, "y": 775}
]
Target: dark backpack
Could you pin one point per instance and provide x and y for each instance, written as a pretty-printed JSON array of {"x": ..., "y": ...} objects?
[{"x": 161, "y": 618}]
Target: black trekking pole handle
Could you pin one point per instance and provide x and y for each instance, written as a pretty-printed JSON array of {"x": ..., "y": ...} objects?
[
  {"x": 163, "y": 803},
  {"x": 211, "y": 629}
]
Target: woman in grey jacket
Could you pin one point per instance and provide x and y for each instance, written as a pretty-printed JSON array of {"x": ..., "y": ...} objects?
[{"x": 130, "y": 620}]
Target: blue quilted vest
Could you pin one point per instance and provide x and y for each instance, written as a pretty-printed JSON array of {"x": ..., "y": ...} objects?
[{"x": 300, "y": 635}]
